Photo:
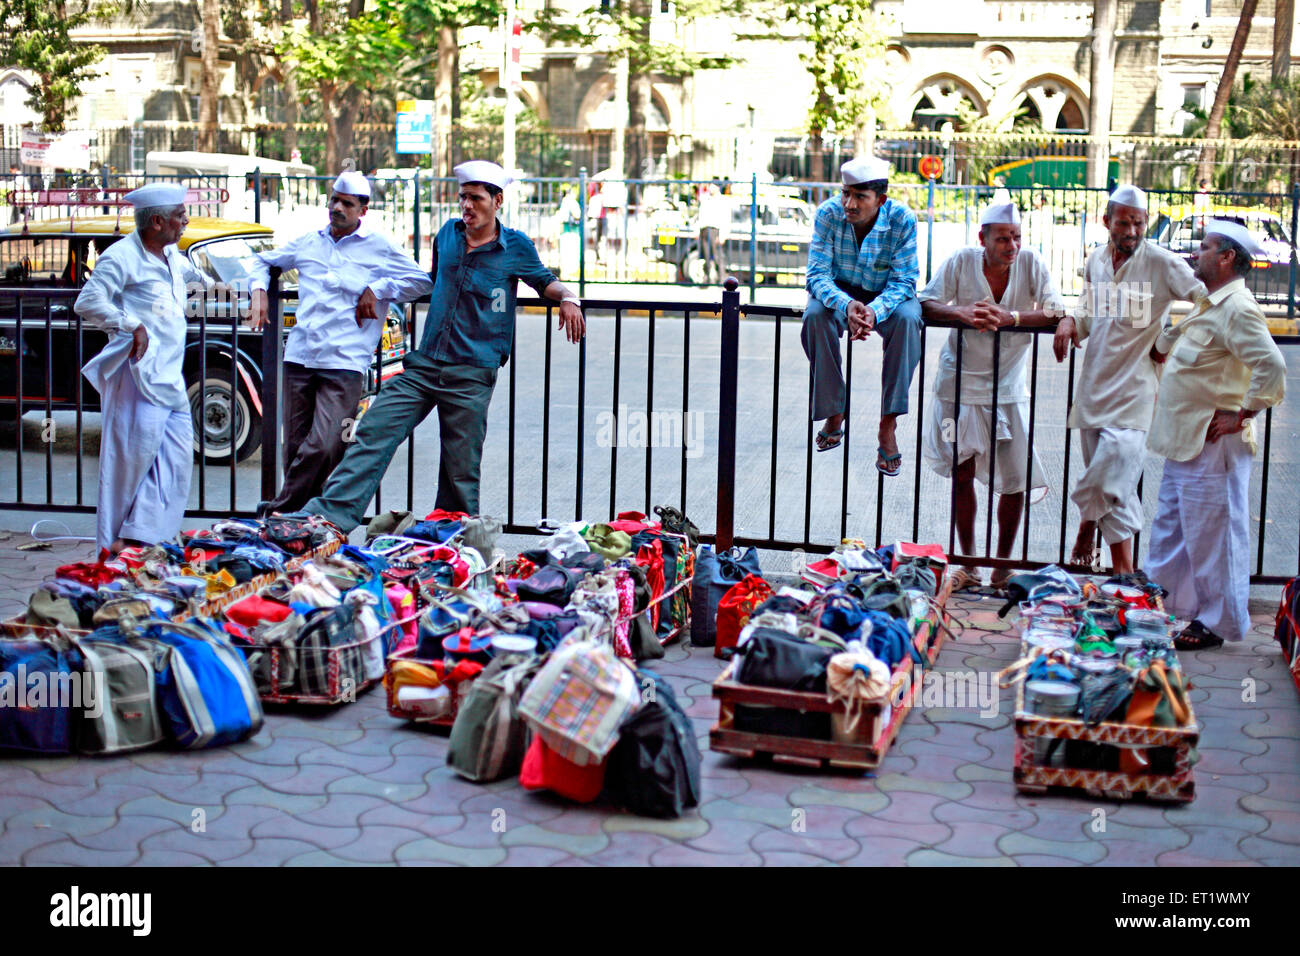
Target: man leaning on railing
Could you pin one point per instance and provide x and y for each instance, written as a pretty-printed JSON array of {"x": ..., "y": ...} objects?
[
  {"x": 1223, "y": 367},
  {"x": 862, "y": 276},
  {"x": 994, "y": 285}
]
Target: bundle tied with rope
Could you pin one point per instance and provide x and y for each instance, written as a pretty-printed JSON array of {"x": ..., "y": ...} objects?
[{"x": 855, "y": 678}]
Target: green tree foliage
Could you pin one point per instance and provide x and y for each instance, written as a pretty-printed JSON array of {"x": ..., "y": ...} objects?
[{"x": 34, "y": 36}]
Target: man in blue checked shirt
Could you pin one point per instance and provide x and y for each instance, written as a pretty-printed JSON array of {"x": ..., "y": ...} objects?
[
  {"x": 862, "y": 276},
  {"x": 468, "y": 335}
]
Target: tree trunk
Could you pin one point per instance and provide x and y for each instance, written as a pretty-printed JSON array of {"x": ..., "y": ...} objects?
[
  {"x": 443, "y": 97},
  {"x": 209, "y": 134},
  {"x": 289, "y": 91},
  {"x": 638, "y": 98},
  {"x": 1205, "y": 169},
  {"x": 331, "y": 127},
  {"x": 817, "y": 170},
  {"x": 1101, "y": 92},
  {"x": 1283, "y": 25}
]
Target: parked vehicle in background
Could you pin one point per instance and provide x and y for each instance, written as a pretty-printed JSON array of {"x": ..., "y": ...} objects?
[
  {"x": 288, "y": 193},
  {"x": 61, "y": 254},
  {"x": 782, "y": 226},
  {"x": 1180, "y": 227}
]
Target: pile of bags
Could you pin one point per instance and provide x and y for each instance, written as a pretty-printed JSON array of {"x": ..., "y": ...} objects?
[
  {"x": 842, "y": 635},
  {"x": 1100, "y": 654}
]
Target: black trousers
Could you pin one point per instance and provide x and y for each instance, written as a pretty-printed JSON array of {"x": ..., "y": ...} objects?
[{"x": 320, "y": 415}]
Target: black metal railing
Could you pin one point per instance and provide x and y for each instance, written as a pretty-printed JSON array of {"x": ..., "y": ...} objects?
[{"x": 703, "y": 405}]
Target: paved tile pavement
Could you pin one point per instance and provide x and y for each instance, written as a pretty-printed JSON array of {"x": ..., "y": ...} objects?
[{"x": 354, "y": 786}]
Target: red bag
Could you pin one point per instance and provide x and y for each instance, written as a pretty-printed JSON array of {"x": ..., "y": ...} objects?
[
  {"x": 544, "y": 769},
  {"x": 91, "y": 573},
  {"x": 255, "y": 609},
  {"x": 633, "y": 522},
  {"x": 651, "y": 557},
  {"x": 438, "y": 514},
  {"x": 735, "y": 608}
]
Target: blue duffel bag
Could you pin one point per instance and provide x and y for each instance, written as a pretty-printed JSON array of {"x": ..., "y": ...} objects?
[
  {"x": 41, "y": 724},
  {"x": 714, "y": 575}
]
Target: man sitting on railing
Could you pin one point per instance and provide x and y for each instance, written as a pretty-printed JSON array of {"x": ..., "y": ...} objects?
[
  {"x": 990, "y": 286},
  {"x": 1223, "y": 368},
  {"x": 347, "y": 275},
  {"x": 137, "y": 294},
  {"x": 1129, "y": 285},
  {"x": 862, "y": 276},
  {"x": 468, "y": 334}
]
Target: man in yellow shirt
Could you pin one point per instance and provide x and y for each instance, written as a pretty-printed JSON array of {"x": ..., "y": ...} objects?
[{"x": 1223, "y": 367}]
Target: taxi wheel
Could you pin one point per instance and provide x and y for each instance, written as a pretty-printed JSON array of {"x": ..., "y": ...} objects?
[{"x": 216, "y": 418}]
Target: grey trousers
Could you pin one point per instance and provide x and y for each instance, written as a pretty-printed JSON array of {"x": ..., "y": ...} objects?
[
  {"x": 821, "y": 334},
  {"x": 319, "y": 402},
  {"x": 461, "y": 393}
]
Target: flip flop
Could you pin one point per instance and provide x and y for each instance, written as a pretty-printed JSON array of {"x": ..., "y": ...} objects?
[
  {"x": 828, "y": 440},
  {"x": 882, "y": 459}
]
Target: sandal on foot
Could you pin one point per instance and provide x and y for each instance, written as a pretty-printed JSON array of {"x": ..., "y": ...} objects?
[
  {"x": 828, "y": 440},
  {"x": 999, "y": 578},
  {"x": 1197, "y": 637},
  {"x": 883, "y": 461},
  {"x": 963, "y": 580}
]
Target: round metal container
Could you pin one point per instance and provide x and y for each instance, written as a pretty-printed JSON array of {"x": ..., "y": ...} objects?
[
  {"x": 1050, "y": 698},
  {"x": 514, "y": 645}
]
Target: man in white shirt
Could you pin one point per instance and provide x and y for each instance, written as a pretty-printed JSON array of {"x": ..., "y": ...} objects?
[
  {"x": 1129, "y": 285},
  {"x": 1223, "y": 367},
  {"x": 992, "y": 286},
  {"x": 713, "y": 221},
  {"x": 137, "y": 294},
  {"x": 347, "y": 275}
]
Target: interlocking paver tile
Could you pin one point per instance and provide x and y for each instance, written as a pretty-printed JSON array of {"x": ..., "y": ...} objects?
[
  {"x": 867, "y": 799},
  {"x": 1020, "y": 845},
  {"x": 1216, "y": 806},
  {"x": 1137, "y": 846},
  {"x": 71, "y": 853},
  {"x": 378, "y": 844},
  {"x": 929, "y": 857},
  {"x": 338, "y": 757},
  {"x": 886, "y": 850},
  {"x": 517, "y": 804},
  {"x": 212, "y": 845},
  {"x": 1269, "y": 852},
  {"x": 19, "y": 840},
  {"x": 554, "y": 836},
  {"x": 689, "y": 856},
  {"x": 310, "y": 779},
  {"x": 170, "y": 858},
  {"x": 297, "y": 804},
  {"x": 937, "y": 776},
  {"x": 683, "y": 828},
  {"x": 316, "y": 834},
  {"x": 273, "y": 851},
  {"x": 281, "y": 753},
  {"x": 129, "y": 831},
  {"x": 729, "y": 835},
  {"x": 433, "y": 850},
  {"x": 1214, "y": 846},
  {"x": 629, "y": 848},
  {"x": 1030, "y": 859},
  {"x": 925, "y": 831},
  {"x": 395, "y": 792},
  {"x": 823, "y": 838},
  {"x": 964, "y": 811}
]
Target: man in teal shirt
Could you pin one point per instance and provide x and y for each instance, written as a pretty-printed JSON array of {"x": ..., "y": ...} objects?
[{"x": 468, "y": 336}]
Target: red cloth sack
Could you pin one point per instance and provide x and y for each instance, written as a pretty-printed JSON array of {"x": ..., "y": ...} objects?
[
  {"x": 736, "y": 606},
  {"x": 633, "y": 522},
  {"x": 544, "y": 769},
  {"x": 255, "y": 609}
]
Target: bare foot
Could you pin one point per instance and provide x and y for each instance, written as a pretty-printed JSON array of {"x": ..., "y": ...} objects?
[{"x": 1085, "y": 545}]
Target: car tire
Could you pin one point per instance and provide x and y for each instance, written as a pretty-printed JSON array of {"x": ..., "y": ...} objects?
[
  {"x": 211, "y": 410},
  {"x": 690, "y": 270}
]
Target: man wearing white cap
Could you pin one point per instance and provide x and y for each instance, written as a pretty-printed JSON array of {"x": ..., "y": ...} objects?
[
  {"x": 995, "y": 285},
  {"x": 1223, "y": 368},
  {"x": 347, "y": 276},
  {"x": 468, "y": 335},
  {"x": 137, "y": 294},
  {"x": 862, "y": 276},
  {"x": 1129, "y": 286}
]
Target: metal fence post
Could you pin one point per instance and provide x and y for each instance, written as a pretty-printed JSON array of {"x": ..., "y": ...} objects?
[
  {"x": 1295, "y": 222},
  {"x": 257, "y": 194},
  {"x": 103, "y": 185},
  {"x": 271, "y": 337},
  {"x": 929, "y": 230},
  {"x": 728, "y": 380},
  {"x": 415, "y": 212},
  {"x": 582, "y": 232},
  {"x": 753, "y": 236}
]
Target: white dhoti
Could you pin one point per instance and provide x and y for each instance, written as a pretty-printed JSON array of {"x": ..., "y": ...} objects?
[
  {"x": 972, "y": 431},
  {"x": 146, "y": 457},
  {"x": 1107, "y": 490},
  {"x": 1200, "y": 539}
]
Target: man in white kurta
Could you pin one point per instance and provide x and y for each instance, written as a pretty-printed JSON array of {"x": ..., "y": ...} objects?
[
  {"x": 137, "y": 294},
  {"x": 1129, "y": 286},
  {"x": 1222, "y": 368},
  {"x": 995, "y": 285}
]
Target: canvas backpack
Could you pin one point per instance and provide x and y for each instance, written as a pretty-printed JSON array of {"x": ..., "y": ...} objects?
[
  {"x": 206, "y": 694},
  {"x": 579, "y": 699},
  {"x": 489, "y": 737},
  {"x": 48, "y": 728},
  {"x": 128, "y": 711},
  {"x": 329, "y": 654},
  {"x": 654, "y": 769}
]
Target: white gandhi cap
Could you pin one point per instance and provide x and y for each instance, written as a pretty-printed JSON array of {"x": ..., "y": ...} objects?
[
  {"x": 1004, "y": 212},
  {"x": 1234, "y": 231},
  {"x": 352, "y": 183},
  {"x": 865, "y": 170},
  {"x": 481, "y": 171},
  {"x": 156, "y": 194},
  {"x": 1130, "y": 196}
]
